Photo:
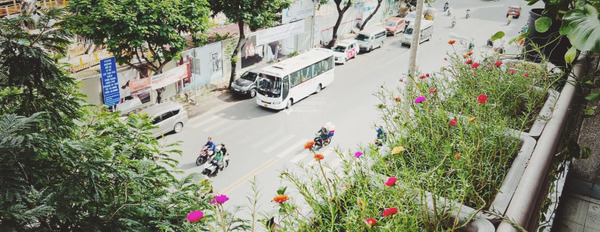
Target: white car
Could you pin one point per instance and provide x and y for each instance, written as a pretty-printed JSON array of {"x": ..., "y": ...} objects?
[
  {"x": 345, "y": 50},
  {"x": 168, "y": 116}
]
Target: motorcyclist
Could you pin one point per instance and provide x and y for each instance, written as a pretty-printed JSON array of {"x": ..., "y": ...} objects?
[
  {"x": 323, "y": 133},
  {"x": 381, "y": 136},
  {"x": 510, "y": 17},
  {"x": 209, "y": 146},
  {"x": 449, "y": 11},
  {"x": 471, "y": 44},
  {"x": 468, "y": 13},
  {"x": 453, "y": 21},
  {"x": 446, "y": 5},
  {"x": 219, "y": 156},
  {"x": 490, "y": 43}
]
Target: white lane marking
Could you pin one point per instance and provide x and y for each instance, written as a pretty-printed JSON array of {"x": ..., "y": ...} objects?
[
  {"x": 289, "y": 150},
  {"x": 215, "y": 125},
  {"x": 300, "y": 156},
  {"x": 265, "y": 140},
  {"x": 278, "y": 143},
  {"x": 224, "y": 129},
  {"x": 205, "y": 121}
]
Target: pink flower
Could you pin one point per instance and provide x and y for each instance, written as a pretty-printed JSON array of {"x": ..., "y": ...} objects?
[
  {"x": 391, "y": 181},
  {"x": 397, "y": 99},
  {"x": 511, "y": 72},
  {"x": 371, "y": 221},
  {"x": 432, "y": 90},
  {"x": 220, "y": 199},
  {"x": 526, "y": 75},
  {"x": 482, "y": 98},
  {"x": 195, "y": 216},
  {"x": 427, "y": 74},
  {"x": 390, "y": 211},
  {"x": 401, "y": 80},
  {"x": 422, "y": 77},
  {"x": 469, "y": 61},
  {"x": 453, "y": 122},
  {"x": 475, "y": 65},
  {"x": 498, "y": 63},
  {"x": 358, "y": 154},
  {"x": 420, "y": 99}
]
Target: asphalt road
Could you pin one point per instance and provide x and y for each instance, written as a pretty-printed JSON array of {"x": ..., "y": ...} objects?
[{"x": 263, "y": 142}]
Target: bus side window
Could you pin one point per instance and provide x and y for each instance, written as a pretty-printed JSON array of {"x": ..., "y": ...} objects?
[
  {"x": 294, "y": 78},
  {"x": 286, "y": 87},
  {"x": 307, "y": 73},
  {"x": 318, "y": 67}
]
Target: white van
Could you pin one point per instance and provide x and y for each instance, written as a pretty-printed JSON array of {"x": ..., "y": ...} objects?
[
  {"x": 371, "y": 38},
  {"x": 345, "y": 50},
  {"x": 426, "y": 32}
]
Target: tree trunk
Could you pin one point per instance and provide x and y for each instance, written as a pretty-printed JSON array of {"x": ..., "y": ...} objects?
[
  {"x": 338, "y": 21},
  {"x": 362, "y": 27},
  {"x": 233, "y": 57}
]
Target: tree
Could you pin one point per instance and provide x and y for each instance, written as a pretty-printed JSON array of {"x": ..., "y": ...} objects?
[
  {"x": 148, "y": 31},
  {"x": 341, "y": 6},
  {"x": 254, "y": 13},
  {"x": 66, "y": 166},
  {"x": 371, "y": 15}
]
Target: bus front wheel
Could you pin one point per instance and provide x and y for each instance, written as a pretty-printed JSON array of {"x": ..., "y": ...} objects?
[
  {"x": 289, "y": 103},
  {"x": 318, "y": 88}
]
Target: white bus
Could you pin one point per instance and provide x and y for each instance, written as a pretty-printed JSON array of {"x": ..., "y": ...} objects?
[{"x": 287, "y": 82}]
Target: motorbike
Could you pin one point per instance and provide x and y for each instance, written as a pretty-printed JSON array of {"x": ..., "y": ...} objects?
[
  {"x": 211, "y": 168},
  {"x": 202, "y": 157},
  {"x": 449, "y": 12},
  {"x": 319, "y": 142},
  {"x": 453, "y": 23},
  {"x": 446, "y": 7},
  {"x": 508, "y": 21},
  {"x": 468, "y": 14}
]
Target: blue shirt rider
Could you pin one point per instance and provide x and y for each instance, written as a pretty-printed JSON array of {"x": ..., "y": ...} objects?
[{"x": 210, "y": 145}]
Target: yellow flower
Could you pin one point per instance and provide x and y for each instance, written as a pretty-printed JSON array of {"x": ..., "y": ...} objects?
[{"x": 398, "y": 150}]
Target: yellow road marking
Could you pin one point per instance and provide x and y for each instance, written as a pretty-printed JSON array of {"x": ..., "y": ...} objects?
[{"x": 239, "y": 182}]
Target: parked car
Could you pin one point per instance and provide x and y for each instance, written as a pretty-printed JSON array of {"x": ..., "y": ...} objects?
[
  {"x": 168, "y": 116},
  {"x": 515, "y": 11},
  {"x": 345, "y": 50},
  {"x": 371, "y": 38},
  {"x": 246, "y": 84},
  {"x": 395, "y": 25}
]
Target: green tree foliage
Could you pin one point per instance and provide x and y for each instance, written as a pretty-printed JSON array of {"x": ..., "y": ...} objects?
[
  {"x": 65, "y": 166},
  {"x": 149, "y": 31},
  {"x": 254, "y": 13}
]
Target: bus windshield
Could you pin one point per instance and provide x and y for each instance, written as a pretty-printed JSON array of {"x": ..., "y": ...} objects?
[{"x": 269, "y": 86}]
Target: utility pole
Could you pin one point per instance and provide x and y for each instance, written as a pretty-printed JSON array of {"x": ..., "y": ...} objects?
[{"x": 414, "y": 45}]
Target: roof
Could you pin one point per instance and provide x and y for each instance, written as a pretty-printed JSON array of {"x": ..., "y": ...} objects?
[
  {"x": 161, "y": 108},
  {"x": 290, "y": 65}
]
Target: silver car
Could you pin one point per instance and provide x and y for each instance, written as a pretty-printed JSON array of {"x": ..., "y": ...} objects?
[
  {"x": 168, "y": 116},
  {"x": 246, "y": 84}
]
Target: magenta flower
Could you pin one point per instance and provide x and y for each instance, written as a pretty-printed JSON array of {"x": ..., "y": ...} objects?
[
  {"x": 390, "y": 211},
  {"x": 498, "y": 63},
  {"x": 220, "y": 199},
  {"x": 468, "y": 61},
  {"x": 511, "y": 72},
  {"x": 195, "y": 216},
  {"x": 358, "y": 154},
  {"x": 391, "y": 181},
  {"x": 475, "y": 65},
  {"x": 420, "y": 99},
  {"x": 526, "y": 75}
]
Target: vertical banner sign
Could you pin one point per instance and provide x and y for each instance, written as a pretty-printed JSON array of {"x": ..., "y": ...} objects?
[{"x": 110, "y": 82}]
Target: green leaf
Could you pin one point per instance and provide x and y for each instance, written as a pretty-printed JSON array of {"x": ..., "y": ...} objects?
[
  {"x": 592, "y": 97},
  {"x": 498, "y": 35},
  {"x": 590, "y": 111},
  {"x": 581, "y": 27},
  {"x": 543, "y": 24},
  {"x": 281, "y": 190},
  {"x": 570, "y": 55}
]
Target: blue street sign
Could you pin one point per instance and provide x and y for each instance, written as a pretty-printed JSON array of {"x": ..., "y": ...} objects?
[{"x": 110, "y": 82}]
